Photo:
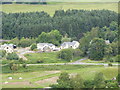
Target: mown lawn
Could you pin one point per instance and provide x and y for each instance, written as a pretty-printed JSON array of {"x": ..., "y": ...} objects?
[
  {"x": 47, "y": 72},
  {"x": 51, "y": 8}
]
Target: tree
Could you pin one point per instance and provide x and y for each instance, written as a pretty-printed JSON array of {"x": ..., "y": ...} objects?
[
  {"x": 12, "y": 56},
  {"x": 114, "y": 46},
  {"x": 85, "y": 41},
  {"x": 53, "y": 37},
  {"x": 77, "y": 81},
  {"x": 25, "y": 42},
  {"x": 33, "y": 46},
  {"x": 64, "y": 80},
  {"x": 97, "y": 48},
  {"x": 66, "y": 54},
  {"x": 13, "y": 66},
  {"x": 99, "y": 80}
]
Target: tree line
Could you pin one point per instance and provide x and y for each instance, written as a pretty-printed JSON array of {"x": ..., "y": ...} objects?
[
  {"x": 77, "y": 82},
  {"x": 71, "y": 22}
]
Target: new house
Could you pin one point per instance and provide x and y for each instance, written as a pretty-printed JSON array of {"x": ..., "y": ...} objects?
[{"x": 73, "y": 44}]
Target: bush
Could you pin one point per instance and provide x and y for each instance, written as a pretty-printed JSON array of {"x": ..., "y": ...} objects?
[
  {"x": 117, "y": 58},
  {"x": 77, "y": 53},
  {"x": 24, "y": 66},
  {"x": 66, "y": 54},
  {"x": 112, "y": 84},
  {"x": 21, "y": 60},
  {"x": 110, "y": 64},
  {"x": 89, "y": 84},
  {"x": 25, "y": 42},
  {"x": 40, "y": 61},
  {"x": 33, "y": 46},
  {"x": 2, "y": 53},
  {"x": 12, "y": 56}
]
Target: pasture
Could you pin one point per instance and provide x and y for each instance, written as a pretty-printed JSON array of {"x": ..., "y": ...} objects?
[
  {"x": 49, "y": 74},
  {"x": 51, "y": 8}
]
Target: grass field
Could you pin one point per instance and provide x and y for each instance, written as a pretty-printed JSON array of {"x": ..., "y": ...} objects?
[
  {"x": 50, "y": 8},
  {"x": 44, "y": 77},
  {"x": 46, "y": 58}
]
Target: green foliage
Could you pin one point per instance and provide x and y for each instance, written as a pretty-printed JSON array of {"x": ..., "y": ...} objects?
[
  {"x": 111, "y": 84},
  {"x": 2, "y": 53},
  {"x": 118, "y": 78},
  {"x": 73, "y": 22},
  {"x": 12, "y": 56},
  {"x": 24, "y": 65},
  {"x": 110, "y": 64},
  {"x": 77, "y": 81},
  {"x": 25, "y": 42},
  {"x": 89, "y": 84},
  {"x": 115, "y": 47},
  {"x": 85, "y": 41},
  {"x": 40, "y": 61},
  {"x": 13, "y": 67},
  {"x": 33, "y": 46},
  {"x": 99, "y": 81},
  {"x": 97, "y": 48},
  {"x": 77, "y": 53},
  {"x": 21, "y": 60},
  {"x": 64, "y": 80},
  {"x": 53, "y": 37},
  {"x": 66, "y": 54},
  {"x": 15, "y": 41},
  {"x": 66, "y": 39},
  {"x": 117, "y": 58}
]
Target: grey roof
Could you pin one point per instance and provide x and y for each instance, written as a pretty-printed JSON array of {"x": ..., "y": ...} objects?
[
  {"x": 68, "y": 43},
  {"x": 49, "y": 44}
]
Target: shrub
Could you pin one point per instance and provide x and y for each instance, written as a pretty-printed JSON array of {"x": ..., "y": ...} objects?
[
  {"x": 12, "y": 56},
  {"x": 33, "y": 46},
  {"x": 24, "y": 66},
  {"x": 117, "y": 58},
  {"x": 40, "y": 61},
  {"x": 21, "y": 60},
  {"x": 2, "y": 53},
  {"x": 25, "y": 42},
  {"x": 66, "y": 54},
  {"x": 77, "y": 53},
  {"x": 89, "y": 84},
  {"x": 109, "y": 64}
]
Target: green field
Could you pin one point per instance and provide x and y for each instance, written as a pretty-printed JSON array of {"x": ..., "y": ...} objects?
[
  {"x": 43, "y": 76},
  {"x": 46, "y": 58},
  {"x": 50, "y": 8}
]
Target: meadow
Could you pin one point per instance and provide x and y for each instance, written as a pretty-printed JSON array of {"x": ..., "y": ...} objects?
[
  {"x": 52, "y": 7},
  {"x": 43, "y": 76}
]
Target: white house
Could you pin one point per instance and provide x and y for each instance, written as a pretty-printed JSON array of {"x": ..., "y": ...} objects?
[
  {"x": 9, "y": 48},
  {"x": 45, "y": 46},
  {"x": 73, "y": 44}
]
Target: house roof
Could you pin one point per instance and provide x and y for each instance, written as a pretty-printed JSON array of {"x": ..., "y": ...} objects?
[
  {"x": 69, "y": 43},
  {"x": 43, "y": 44}
]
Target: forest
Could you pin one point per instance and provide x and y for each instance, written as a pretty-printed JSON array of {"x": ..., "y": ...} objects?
[{"x": 74, "y": 23}]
